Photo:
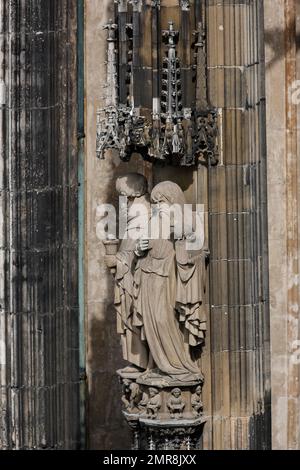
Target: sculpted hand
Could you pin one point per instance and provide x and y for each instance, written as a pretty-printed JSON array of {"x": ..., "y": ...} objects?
[{"x": 142, "y": 246}]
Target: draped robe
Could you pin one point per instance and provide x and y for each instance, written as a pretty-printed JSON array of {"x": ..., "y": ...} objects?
[
  {"x": 134, "y": 349},
  {"x": 169, "y": 306}
]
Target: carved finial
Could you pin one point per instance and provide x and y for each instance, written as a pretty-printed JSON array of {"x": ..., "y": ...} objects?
[
  {"x": 156, "y": 4},
  {"x": 201, "y": 36},
  {"x": 136, "y": 439},
  {"x": 111, "y": 28},
  {"x": 171, "y": 35},
  {"x": 137, "y": 4},
  {"x": 122, "y": 5},
  {"x": 151, "y": 443},
  {"x": 185, "y": 4}
]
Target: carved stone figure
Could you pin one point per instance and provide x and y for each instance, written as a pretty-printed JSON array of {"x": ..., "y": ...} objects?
[
  {"x": 160, "y": 305},
  {"x": 169, "y": 286},
  {"x": 196, "y": 401},
  {"x": 135, "y": 350},
  {"x": 143, "y": 403},
  {"x": 176, "y": 404},
  {"x": 131, "y": 396},
  {"x": 154, "y": 403},
  {"x": 126, "y": 394}
]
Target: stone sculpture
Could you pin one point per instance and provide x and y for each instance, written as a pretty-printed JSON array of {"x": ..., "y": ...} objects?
[
  {"x": 161, "y": 314},
  {"x": 131, "y": 396},
  {"x": 126, "y": 394},
  {"x": 196, "y": 401},
  {"x": 169, "y": 299},
  {"x": 135, "y": 187},
  {"x": 176, "y": 404},
  {"x": 154, "y": 403}
]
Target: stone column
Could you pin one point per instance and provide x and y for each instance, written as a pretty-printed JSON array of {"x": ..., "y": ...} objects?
[
  {"x": 239, "y": 327},
  {"x": 39, "y": 375},
  {"x": 282, "y": 20}
]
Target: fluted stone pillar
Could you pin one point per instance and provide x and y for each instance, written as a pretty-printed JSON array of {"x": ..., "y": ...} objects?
[
  {"x": 239, "y": 326},
  {"x": 39, "y": 374},
  {"x": 282, "y": 22}
]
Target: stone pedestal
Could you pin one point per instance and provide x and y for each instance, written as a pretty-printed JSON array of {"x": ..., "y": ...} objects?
[{"x": 164, "y": 414}]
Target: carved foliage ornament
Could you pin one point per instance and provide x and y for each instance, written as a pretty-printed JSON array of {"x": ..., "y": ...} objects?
[{"x": 160, "y": 111}]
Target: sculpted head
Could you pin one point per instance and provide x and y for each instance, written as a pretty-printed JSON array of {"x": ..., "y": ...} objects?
[
  {"x": 169, "y": 200},
  {"x": 153, "y": 392},
  {"x": 132, "y": 185},
  {"x": 126, "y": 382},
  {"x": 169, "y": 193},
  {"x": 176, "y": 392}
]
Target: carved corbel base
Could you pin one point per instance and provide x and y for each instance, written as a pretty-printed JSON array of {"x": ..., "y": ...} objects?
[
  {"x": 178, "y": 435},
  {"x": 165, "y": 435},
  {"x": 163, "y": 414}
]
